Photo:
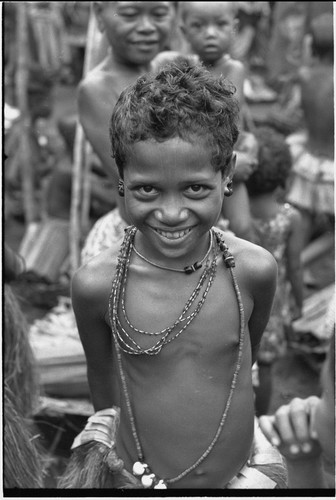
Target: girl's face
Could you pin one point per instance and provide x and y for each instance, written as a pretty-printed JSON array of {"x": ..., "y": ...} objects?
[
  {"x": 173, "y": 196},
  {"x": 209, "y": 28},
  {"x": 136, "y": 31}
]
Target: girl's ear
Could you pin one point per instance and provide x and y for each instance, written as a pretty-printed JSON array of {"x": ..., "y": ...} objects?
[
  {"x": 230, "y": 167},
  {"x": 97, "y": 9}
]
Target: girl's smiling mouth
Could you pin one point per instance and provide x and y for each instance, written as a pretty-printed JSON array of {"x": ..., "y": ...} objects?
[{"x": 173, "y": 235}]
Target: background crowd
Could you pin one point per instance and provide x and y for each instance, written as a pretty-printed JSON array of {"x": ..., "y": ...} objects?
[{"x": 59, "y": 175}]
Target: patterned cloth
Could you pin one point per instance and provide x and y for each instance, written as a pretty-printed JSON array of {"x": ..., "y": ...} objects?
[
  {"x": 312, "y": 184},
  {"x": 273, "y": 235},
  {"x": 107, "y": 232}
]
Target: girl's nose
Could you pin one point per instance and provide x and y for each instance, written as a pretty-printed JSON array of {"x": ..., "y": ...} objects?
[{"x": 171, "y": 212}]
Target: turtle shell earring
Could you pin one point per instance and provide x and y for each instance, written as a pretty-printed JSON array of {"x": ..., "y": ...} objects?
[
  {"x": 229, "y": 189},
  {"x": 121, "y": 188}
]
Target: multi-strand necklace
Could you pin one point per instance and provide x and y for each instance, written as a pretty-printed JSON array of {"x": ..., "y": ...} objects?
[
  {"x": 186, "y": 269},
  {"x": 127, "y": 344}
]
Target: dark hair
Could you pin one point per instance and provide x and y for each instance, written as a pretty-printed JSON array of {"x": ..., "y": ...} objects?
[
  {"x": 322, "y": 31},
  {"x": 274, "y": 162},
  {"x": 183, "y": 8},
  {"x": 181, "y": 99}
]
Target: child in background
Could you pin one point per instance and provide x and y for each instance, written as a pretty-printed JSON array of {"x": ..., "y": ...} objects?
[
  {"x": 304, "y": 432},
  {"x": 311, "y": 188},
  {"x": 134, "y": 32},
  {"x": 184, "y": 384},
  {"x": 210, "y": 28},
  {"x": 278, "y": 226}
]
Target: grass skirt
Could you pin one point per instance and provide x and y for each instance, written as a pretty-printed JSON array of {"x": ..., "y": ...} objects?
[
  {"x": 22, "y": 465},
  {"x": 94, "y": 465},
  {"x": 20, "y": 371}
]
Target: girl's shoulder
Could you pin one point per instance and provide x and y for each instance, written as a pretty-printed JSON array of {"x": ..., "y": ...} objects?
[
  {"x": 93, "y": 280},
  {"x": 250, "y": 258}
]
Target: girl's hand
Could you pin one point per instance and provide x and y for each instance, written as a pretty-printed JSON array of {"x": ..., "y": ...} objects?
[{"x": 291, "y": 429}]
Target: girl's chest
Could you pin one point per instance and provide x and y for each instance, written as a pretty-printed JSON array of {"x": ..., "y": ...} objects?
[{"x": 201, "y": 318}]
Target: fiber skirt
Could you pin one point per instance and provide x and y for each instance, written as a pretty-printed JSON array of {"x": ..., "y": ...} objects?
[{"x": 311, "y": 186}]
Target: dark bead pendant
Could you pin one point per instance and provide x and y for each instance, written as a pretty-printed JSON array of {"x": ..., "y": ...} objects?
[
  {"x": 193, "y": 268},
  {"x": 228, "y": 260},
  {"x": 189, "y": 269}
]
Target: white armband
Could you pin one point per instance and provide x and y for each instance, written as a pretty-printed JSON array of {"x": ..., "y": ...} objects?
[{"x": 100, "y": 427}]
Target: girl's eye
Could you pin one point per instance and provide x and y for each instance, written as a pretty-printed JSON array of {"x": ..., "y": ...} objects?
[
  {"x": 146, "y": 190},
  {"x": 196, "y": 189}
]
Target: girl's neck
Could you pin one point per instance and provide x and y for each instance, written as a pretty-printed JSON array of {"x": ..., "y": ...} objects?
[{"x": 202, "y": 248}]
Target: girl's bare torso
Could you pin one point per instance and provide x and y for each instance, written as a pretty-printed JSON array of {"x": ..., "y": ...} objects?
[{"x": 178, "y": 397}]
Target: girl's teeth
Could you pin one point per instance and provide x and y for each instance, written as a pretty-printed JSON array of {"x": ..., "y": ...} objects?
[{"x": 173, "y": 235}]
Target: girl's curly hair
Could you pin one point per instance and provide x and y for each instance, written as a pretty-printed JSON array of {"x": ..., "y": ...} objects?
[
  {"x": 274, "y": 162},
  {"x": 182, "y": 99}
]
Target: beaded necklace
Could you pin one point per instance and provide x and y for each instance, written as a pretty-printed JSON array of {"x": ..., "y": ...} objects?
[
  {"x": 186, "y": 269},
  {"x": 126, "y": 342},
  {"x": 140, "y": 467}
]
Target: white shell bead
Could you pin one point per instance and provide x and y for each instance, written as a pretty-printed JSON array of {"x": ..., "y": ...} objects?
[
  {"x": 161, "y": 485},
  {"x": 139, "y": 468},
  {"x": 147, "y": 481}
]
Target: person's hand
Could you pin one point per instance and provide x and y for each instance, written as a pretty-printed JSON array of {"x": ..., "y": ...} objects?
[{"x": 291, "y": 429}]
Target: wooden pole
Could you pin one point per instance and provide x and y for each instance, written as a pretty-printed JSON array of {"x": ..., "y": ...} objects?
[
  {"x": 21, "y": 85},
  {"x": 89, "y": 62},
  {"x": 80, "y": 197}
]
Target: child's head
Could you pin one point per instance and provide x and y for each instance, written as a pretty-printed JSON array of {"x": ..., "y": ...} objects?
[
  {"x": 136, "y": 31},
  {"x": 322, "y": 31},
  {"x": 274, "y": 163},
  {"x": 209, "y": 28},
  {"x": 179, "y": 100}
]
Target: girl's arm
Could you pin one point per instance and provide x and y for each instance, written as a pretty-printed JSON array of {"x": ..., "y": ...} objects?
[
  {"x": 90, "y": 291},
  {"x": 260, "y": 278},
  {"x": 293, "y": 261}
]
